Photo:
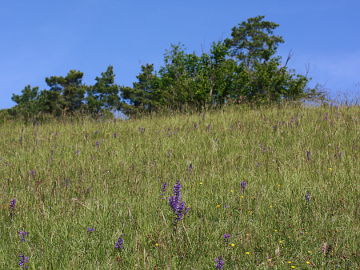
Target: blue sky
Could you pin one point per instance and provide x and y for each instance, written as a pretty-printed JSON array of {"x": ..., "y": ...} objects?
[{"x": 44, "y": 38}]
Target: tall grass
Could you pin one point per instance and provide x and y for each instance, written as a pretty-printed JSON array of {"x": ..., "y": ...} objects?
[{"x": 81, "y": 186}]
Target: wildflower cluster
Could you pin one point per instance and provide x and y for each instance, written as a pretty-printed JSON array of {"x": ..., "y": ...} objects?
[
  {"x": 22, "y": 235},
  {"x": 23, "y": 261},
  {"x": 119, "y": 243},
  {"x": 219, "y": 263},
  {"x": 243, "y": 185},
  {"x": 163, "y": 190},
  {"x": 177, "y": 205},
  {"x": 226, "y": 237},
  {"x": 12, "y": 208}
]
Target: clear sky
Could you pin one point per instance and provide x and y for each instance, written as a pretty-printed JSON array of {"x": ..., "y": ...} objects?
[{"x": 41, "y": 38}]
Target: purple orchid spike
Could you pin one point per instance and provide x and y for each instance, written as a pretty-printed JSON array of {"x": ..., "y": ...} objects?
[
  {"x": 219, "y": 263},
  {"x": 22, "y": 235},
  {"x": 243, "y": 185}
]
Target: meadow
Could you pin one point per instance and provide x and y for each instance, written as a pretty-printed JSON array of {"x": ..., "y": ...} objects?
[{"x": 265, "y": 188}]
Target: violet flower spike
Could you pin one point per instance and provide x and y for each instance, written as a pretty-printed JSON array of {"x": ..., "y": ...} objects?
[
  {"x": 177, "y": 189},
  {"x": 307, "y": 196},
  {"x": 227, "y": 237},
  {"x": 177, "y": 205},
  {"x": 23, "y": 261},
  {"x": 163, "y": 190},
  {"x": 22, "y": 235},
  {"x": 119, "y": 243},
  {"x": 243, "y": 185},
  {"x": 12, "y": 208},
  {"x": 219, "y": 263},
  {"x": 12, "y": 204}
]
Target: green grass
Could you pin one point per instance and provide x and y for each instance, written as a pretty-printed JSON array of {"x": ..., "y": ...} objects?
[{"x": 114, "y": 187}]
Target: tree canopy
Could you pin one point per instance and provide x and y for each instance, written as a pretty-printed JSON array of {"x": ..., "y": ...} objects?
[{"x": 240, "y": 69}]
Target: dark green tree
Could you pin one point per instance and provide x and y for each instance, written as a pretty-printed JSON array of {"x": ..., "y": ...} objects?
[
  {"x": 221, "y": 72},
  {"x": 27, "y": 104},
  {"x": 253, "y": 41},
  {"x": 261, "y": 78},
  {"x": 66, "y": 94},
  {"x": 183, "y": 79},
  {"x": 145, "y": 95},
  {"x": 103, "y": 96}
]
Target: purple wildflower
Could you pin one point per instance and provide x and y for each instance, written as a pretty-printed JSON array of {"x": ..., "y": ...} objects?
[
  {"x": 177, "y": 189},
  {"x": 219, "y": 263},
  {"x": 163, "y": 190},
  {"x": 90, "y": 229},
  {"x": 176, "y": 204},
  {"x": 22, "y": 235},
  {"x": 227, "y": 237},
  {"x": 307, "y": 196},
  {"x": 12, "y": 204},
  {"x": 23, "y": 261},
  {"x": 243, "y": 185},
  {"x": 12, "y": 208},
  {"x": 97, "y": 144},
  {"x": 120, "y": 243},
  {"x": 308, "y": 155}
]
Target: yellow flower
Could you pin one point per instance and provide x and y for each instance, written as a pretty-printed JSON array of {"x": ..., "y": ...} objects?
[
  {"x": 270, "y": 206},
  {"x": 157, "y": 244},
  {"x": 218, "y": 206},
  {"x": 307, "y": 262},
  {"x": 290, "y": 262},
  {"x": 330, "y": 169},
  {"x": 293, "y": 266},
  {"x": 275, "y": 230},
  {"x": 201, "y": 183},
  {"x": 241, "y": 197},
  {"x": 281, "y": 241},
  {"x": 247, "y": 253},
  {"x": 278, "y": 185},
  {"x": 232, "y": 191},
  {"x": 232, "y": 245}
]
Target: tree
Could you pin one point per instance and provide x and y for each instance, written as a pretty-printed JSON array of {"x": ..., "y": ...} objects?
[
  {"x": 261, "y": 77},
  {"x": 66, "y": 94},
  {"x": 145, "y": 95},
  {"x": 104, "y": 94},
  {"x": 253, "y": 41},
  {"x": 27, "y": 104}
]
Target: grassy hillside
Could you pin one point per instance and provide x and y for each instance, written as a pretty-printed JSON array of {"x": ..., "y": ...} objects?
[{"x": 81, "y": 186}]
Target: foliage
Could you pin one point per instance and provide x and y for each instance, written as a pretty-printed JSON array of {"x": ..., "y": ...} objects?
[
  {"x": 243, "y": 68},
  {"x": 253, "y": 41},
  {"x": 104, "y": 94},
  {"x": 144, "y": 95},
  {"x": 28, "y": 103},
  {"x": 65, "y": 95}
]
